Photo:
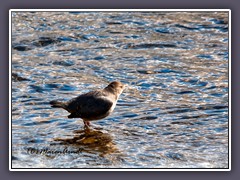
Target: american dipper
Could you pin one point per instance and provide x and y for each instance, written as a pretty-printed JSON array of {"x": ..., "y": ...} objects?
[{"x": 93, "y": 105}]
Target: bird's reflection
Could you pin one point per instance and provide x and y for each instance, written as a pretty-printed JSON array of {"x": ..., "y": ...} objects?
[{"x": 91, "y": 140}]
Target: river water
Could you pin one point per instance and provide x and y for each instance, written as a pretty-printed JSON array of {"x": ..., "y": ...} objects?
[{"x": 173, "y": 114}]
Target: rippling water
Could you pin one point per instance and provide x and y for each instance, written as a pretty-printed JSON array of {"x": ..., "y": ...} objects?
[{"x": 174, "y": 113}]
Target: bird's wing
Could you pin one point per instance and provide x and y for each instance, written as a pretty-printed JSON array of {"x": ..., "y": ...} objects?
[{"x": 90, "y": 105}]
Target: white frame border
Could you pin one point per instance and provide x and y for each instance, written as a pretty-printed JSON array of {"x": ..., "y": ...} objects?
[{"x": 117, "y": 10}]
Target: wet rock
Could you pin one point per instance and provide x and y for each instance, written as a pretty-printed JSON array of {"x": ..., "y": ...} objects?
[
  {"x": 150, "y": 45},
  {"x": 45, "y": 41},
  {"x": 175, "y": 156},
  {"x": 185, "y": 92},
  {"x": 64, "y": 63},
  {"x": 182, "y": 123},
  {"x": 91, "y": 140},
  {"x": 88, "y": 137},
  {"x": 16, "y": 77},
  {"x": 26, "y": 45},
  {"x": 146, "y": 72},
  {"x": 148, "y": 118},
  {"x": 22, "y": 47},
  {"x": 14, "y": 158},
  {"x": 114, "y": 23}
]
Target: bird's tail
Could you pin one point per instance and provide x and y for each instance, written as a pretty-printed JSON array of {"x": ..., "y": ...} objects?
[{"x": 58, "y": 104}]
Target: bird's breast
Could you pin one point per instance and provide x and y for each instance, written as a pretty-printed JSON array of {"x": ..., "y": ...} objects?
[{"x": 112, "y": 107}]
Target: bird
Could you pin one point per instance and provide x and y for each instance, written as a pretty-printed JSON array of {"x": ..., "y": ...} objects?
[{"x": 94, "y": 105}]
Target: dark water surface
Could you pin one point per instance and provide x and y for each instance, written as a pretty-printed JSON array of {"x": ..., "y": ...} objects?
[{"x": 174, "y": 114}]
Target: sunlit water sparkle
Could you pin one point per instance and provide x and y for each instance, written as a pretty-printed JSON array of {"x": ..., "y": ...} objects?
[{"x": 174, "y": 113}]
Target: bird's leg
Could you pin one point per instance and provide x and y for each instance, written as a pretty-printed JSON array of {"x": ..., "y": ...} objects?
[{"x": 86, "y": 124}]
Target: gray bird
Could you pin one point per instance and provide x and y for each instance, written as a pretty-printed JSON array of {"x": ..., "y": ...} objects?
[{"x": 93, "y": 105}]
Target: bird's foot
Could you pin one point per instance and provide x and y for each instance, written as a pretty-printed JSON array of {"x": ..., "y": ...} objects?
[{"x": 86, "y": 125}]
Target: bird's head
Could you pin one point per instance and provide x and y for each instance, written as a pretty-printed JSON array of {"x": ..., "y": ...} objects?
[{"x": 116, "y": 87}]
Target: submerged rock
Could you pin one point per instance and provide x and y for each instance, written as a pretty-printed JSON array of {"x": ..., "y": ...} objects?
[
  {"x": 88, "y": 137},
  {"x": 16, "y": 77},
  {"x": 93, "y": 140}
]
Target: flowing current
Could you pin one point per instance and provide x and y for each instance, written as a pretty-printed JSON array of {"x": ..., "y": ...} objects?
[{"x": 174, "y": 113}]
